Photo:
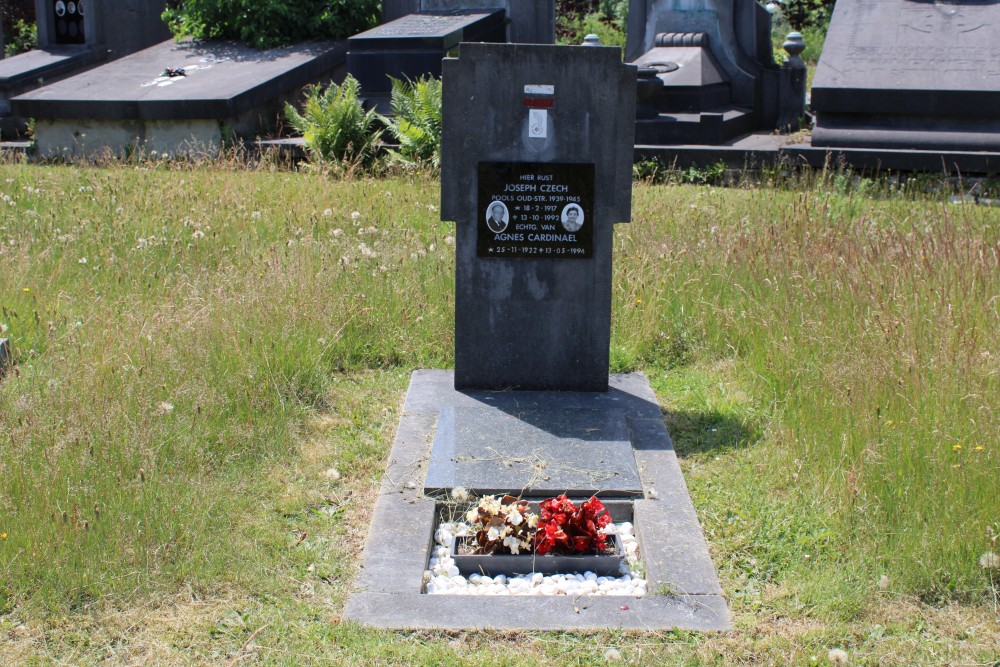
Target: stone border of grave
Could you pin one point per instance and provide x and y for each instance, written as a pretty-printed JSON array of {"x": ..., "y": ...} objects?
[
  {"x": 758, "y": 150},
  {"x": 684, "y": 590}
]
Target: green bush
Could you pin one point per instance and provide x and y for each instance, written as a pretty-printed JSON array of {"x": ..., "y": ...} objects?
[
  {"x": 335, "y": 126},
  {"x": 807, "y": 13},
  {"x": 578, "y": 18},
  {"x": 268, "y": 23},
  {"x": 814, "y": 36},
  {"x": 574, "y": 28},
  {"x": 19, "y": 37},
  {"x": 416, "y": 121}
]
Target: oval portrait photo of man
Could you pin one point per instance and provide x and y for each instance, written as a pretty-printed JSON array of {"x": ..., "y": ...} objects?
[
  {"x": 572, "y": 217},
  {"x": 497, "y": 217}
]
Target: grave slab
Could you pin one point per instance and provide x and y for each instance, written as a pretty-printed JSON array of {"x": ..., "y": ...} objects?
[
  {"x": 906, "y": 74},
  {"x": 758, "y": 150},
  {"x": 413, "y": 46},
  {"x": 684, "y": 588},
  {"x": 528, "y": 21},
  {"x": 130, "y": 102},
  {"x": 541, "y": 452},
  {"x": 71, "y": 40}
]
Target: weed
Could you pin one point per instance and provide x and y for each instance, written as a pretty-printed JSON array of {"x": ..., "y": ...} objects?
[
  {"x": 335, "y": 126},
  {"x": 416, "y": 122}
]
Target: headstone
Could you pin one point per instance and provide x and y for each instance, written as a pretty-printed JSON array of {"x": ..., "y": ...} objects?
[
  {"x": 115, "y": 27},
  {"x": 536, "y": 169},
  {"x": 707, "y": 73},
  {"x": 74, "y": 35},
  {"x": 528, "y": 21},
  {"x": 133, "y": 104},
  {"x": 910, "y": 75},
  {"x": 413, "y": 46}
]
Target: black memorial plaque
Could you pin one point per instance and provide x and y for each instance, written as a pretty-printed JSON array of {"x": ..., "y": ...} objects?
[{"x": 535, "y": 210}]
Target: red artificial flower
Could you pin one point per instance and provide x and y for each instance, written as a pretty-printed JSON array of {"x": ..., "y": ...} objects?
[{"x": 566, "y": 529}]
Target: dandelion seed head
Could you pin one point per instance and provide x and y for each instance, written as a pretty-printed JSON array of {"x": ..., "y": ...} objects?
[
  {"x": 460, "y": 493},
  {"x": 837, "y": 656},
  {"x": 989, "y": 561}
]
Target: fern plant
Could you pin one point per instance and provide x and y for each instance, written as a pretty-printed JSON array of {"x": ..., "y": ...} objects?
[
  {"x": 335, "y": 126},
  {"x": 416, "y": 121}
]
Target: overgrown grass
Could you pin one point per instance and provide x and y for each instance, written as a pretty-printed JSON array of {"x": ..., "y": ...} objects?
[{"x": 194, "y": 431}]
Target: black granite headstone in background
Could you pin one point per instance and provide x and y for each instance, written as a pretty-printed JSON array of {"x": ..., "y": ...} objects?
[
  {"x": 73, "y": 36},
  {"x": 528, "y": 21},
  {"x": 532, "y": 132},
  {"x": 413, "y": 46},
  {"x": 909, "y": 74},
  {"x": 114, "y": 27}
]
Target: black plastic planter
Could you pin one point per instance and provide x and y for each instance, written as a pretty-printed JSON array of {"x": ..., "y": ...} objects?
[{"x": 607, "y": 564}]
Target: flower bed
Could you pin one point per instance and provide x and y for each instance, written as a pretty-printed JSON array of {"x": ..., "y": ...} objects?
[
  {"x": 505, "y": 548},
  {"x": 444, "y": 577}
]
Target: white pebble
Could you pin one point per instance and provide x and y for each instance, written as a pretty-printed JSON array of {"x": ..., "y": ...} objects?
[{"x": 443, "y": 576}]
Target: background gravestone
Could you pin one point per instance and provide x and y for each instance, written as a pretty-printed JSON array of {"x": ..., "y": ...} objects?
[
  {"x": 74, "y": 35},
  {"x": 528, "y": 21},
  {"x": 112, "y": 27},
  {"x": 130, "y": 104},
  {"x": 910, "y": 75},
  {"x": 531, "y": 132},
  {"x": 707, "y": 72},
  {"x": 413, "y": 46}
]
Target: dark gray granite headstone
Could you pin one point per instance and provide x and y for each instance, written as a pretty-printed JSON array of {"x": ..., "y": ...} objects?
[
  {"x": 528, "y": 21},
  {"x": 413, "y": 46},
  {"x": 535, "y": 453},
  {"x": 112, "y": 27},
  {"x": 532, "y": 130},
  {"x": 73, "y": 36},
  {"x": 910, "y": 74}
]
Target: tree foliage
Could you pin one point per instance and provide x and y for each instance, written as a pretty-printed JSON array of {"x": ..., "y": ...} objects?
[{"x": 269, "y": 23}]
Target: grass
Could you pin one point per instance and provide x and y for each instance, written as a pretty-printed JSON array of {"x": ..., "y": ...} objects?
[{"x": 193, "y": 435}]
